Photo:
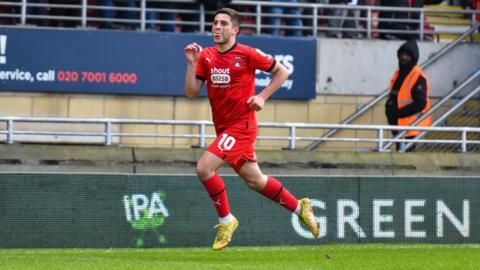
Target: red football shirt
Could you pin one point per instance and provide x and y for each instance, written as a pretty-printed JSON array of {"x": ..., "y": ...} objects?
[{"x": 230, "y": 78}]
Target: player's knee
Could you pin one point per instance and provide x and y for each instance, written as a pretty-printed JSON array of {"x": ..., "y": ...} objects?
[
  {"x": 203, "y": 172},
  {"x": 254, "y": 183}
]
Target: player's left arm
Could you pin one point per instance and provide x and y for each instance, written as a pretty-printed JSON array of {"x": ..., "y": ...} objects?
[{"x": 279, "y": 76}]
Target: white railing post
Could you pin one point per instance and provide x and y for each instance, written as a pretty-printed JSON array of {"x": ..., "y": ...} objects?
[
  {"x": 108, "y": 133},
  {"x": 464, "y": 141},
  {"x": 422, "y": 24},
  {"x": 202, "y": 135},
  {"x": 315, "y": 21},
  {"x": 202, "y": 18},
  {"x": 10, "y": 131},
  {"x": 258, "y": 21},
  {"x": 380, "y": 140},
  {"x": 84, "y": 13},
  {"x": 472, "y": 24},
  {"x": 143, "y": 14},
  {"x": 23, "y": 11},
  {"x": 369, "y": 22},
  {"x": 291, "y": 144}
]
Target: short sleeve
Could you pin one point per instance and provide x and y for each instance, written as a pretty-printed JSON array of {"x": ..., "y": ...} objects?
[
  {"x": 200, "y": 71},
  {"x": 260, "y": 60}
]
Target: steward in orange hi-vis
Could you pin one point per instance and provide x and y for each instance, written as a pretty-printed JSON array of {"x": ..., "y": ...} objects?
[
  {"x": 409, "y": 90},
  {"x": 404, "y": 98}
]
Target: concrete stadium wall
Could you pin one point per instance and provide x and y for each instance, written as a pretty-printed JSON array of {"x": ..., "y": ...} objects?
[
  {"x": 156, "y": 160},
  {"x": 365, "y": 67}
]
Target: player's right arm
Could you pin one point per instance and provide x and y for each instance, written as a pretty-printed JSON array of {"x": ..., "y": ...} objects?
[{"x": 192, "y": 84}]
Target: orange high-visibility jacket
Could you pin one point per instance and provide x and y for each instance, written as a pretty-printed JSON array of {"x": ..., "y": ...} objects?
[{"x": 404, "y": 98}]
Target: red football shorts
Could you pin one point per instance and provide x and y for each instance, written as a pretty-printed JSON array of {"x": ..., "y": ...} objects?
[{"x": 235, "y": 146}]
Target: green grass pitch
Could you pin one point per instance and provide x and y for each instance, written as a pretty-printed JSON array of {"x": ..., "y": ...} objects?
[{"x": 325, "y": 257}]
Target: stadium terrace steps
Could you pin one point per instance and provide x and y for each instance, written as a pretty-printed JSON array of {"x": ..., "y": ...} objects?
[
  {"x": 442, "y": 21},
  {"x": 450, "y": 136},
  {"x": 444, "y": 14},
  {"x": 463, "y": 121},
  {"x": 473, "y": 106},
  {"x": 466, "y": 116}
]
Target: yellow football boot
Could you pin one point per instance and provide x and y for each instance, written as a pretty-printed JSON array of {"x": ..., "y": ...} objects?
[
  {"x": 224, "y": 234},
  {"x": 308, "y": 217}
]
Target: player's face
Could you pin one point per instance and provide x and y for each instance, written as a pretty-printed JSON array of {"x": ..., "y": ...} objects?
[{"x": 223, "y": 30}]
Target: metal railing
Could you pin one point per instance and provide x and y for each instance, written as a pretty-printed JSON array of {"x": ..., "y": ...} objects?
[
  {"x": 143, "y": 14},
  {"x": 465, "y": 97},
  {"x": 110, "y": 132}
]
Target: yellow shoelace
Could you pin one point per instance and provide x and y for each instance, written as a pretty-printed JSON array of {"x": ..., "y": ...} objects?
[{"x": 222, "y": 230}]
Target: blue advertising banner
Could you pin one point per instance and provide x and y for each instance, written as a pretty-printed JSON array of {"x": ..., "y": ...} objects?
[{"x": 134, "y": 63}]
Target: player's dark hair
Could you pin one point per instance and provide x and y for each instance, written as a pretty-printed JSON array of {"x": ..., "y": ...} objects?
[{"x": 234, "y": 16}]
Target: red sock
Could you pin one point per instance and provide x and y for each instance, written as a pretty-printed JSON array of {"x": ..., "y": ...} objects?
[
  {"x": 217, "y": 191},
  {"x": 276, "y": 192}
]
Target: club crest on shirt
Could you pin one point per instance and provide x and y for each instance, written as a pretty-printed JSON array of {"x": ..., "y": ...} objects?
[{"x": 237, "y": 61}]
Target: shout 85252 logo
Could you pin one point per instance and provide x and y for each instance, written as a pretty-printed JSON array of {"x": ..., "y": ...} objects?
[
  {"x": 146, "y": 214},
  {"x": 220, "y": 75}
]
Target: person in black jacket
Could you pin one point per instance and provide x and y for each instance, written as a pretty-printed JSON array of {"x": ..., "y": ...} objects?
[{"x": 407, "y": 54}]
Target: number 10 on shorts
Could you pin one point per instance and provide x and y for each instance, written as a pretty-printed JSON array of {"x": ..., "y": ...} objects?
[{"x": 226, "y": 142}]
